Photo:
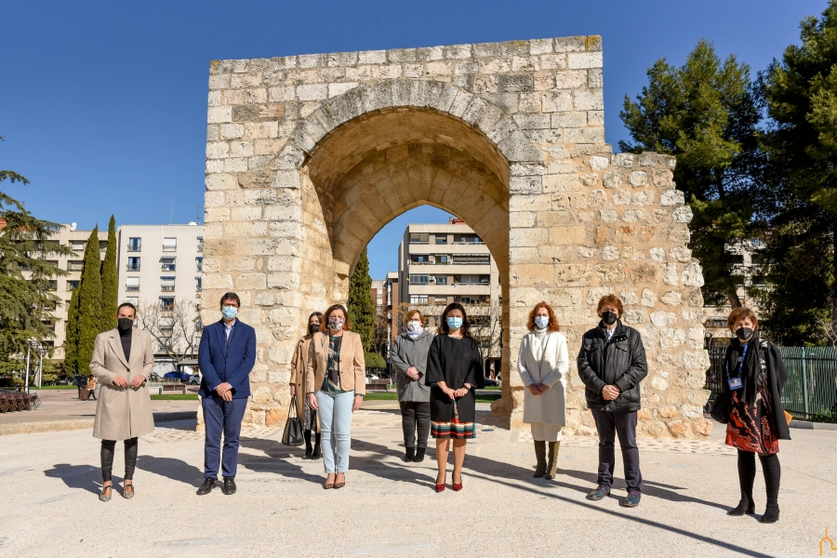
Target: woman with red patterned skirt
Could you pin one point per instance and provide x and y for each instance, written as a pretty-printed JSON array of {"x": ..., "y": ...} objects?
[
  {"x": 754, "y": 373},
  {"x": 454, "y": 370}
]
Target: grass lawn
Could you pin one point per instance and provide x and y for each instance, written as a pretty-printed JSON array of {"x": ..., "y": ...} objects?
[
  {"x": 494, "y": 388},
  {"x": 175, "y": 397},
  {"x": 58, "y": 387}
]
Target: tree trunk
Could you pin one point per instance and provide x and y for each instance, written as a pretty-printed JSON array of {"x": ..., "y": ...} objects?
[{"x": 734, "y": 300}]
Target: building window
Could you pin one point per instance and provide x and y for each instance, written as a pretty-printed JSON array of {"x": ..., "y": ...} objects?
[
  {"x": 169, "y": 245},
  {"x": 467, "y": 239},
  {"x": 418, "y": 299},
  {"x": 134, "y": 244},
  {"x": 440, "y": 259},
  {"x": 78, "y": 245},
  {"x": 167, "y": 302},
  {"x": 419, "y": 238},
  {"x": 441, "y": 300},
  {"x": 419, "y": 259},
  {"x": 419, "y": 279},
  {"x": 198, "y": 325},
  {"x": 133, "y": 263},
  {"x": 72, "y": 285},
  {"x": 471, "y": 259},
  {"x": 167, "y": 263},
  {"x": 199, "y": 263},
  {"x": 198, "y": 284},
  {"x": 441, "y": 239},
  {"x": 167, "y": 284},
  {"x": 52, "y": 285},
  {"x": 200, "y": 244},
  {"x": 133, "y": 300},
  {"x": 75, "y": 265},
  {"x": 103, "y": 245},
  {"x": 132, "y": 283},
  {"x": 441, "y": 279}
]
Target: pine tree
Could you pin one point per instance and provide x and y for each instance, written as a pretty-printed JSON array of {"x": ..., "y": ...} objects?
[
  {"x": 705, "y": 113},
  {"x": 26, "y": 274},
  {"x": 800, "y": 92},
  {"x": 71, "y": 337},
  {"x": 89, "y": 302},
  {"x": 360, "y": 306},
  {"x": 110, "y": 286}
]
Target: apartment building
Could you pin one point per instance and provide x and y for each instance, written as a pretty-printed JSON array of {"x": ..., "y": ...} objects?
[
  {"x": 162, "y": 265},
  {"x": 62, "y": 287},
  {"x": 443, "y": 263},
  {"x": 748, "y": 273}
]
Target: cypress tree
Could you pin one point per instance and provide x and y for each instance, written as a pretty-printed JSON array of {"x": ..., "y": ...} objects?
[
  {"x": 110, "y": 281},
  {"x": 89, "y": 302},
  {"x": 360, "y": 306},
  {"x": 71, "y": 337}
]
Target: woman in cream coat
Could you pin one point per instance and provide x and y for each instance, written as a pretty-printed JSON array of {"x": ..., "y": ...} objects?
[
  {"x": 335, "y": 386},
  {"x": 543, "y": 363},
  {"x": 299, "y": 369},
  {"x": 122, "y": 361}
]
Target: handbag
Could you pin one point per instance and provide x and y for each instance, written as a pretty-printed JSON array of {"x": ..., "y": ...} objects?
[
  {"x": 722, "y": 407},
  {"x": 292, "y": 436}
]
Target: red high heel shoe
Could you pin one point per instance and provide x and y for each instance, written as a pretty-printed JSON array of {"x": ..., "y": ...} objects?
[
  {"x": 457, "y": 486},
  {"x": 440, "y": 487}
]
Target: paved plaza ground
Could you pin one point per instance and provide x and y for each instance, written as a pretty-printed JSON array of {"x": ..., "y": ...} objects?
[{"x": 388, "y": 508}]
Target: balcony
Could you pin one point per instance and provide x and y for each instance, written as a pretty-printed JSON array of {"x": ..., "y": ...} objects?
[
  {"x": 132, "y": 267},
  {"x": 167, "y": 288},
  {"x": 132, "y": 287}
]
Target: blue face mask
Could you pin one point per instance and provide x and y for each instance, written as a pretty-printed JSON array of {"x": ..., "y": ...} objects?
[
  {"x": 229, "y": 312},
  {"x": 454, "y": 322},
  {"x": 541, "y": 321}
]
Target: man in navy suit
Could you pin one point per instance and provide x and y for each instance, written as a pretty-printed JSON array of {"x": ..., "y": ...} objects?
[{"x": 226, "y": 356}]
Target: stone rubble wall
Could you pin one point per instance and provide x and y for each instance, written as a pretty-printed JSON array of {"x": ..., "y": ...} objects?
[{"x": 308, "y": 156}]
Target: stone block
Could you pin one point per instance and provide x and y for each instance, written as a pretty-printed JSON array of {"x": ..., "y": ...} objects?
[{"x": 556, "y": 101}]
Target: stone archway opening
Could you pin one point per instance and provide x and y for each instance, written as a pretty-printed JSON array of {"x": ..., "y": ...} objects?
[{"x": 380, "y": 165}]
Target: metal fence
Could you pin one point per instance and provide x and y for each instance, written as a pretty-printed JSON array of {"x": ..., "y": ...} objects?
[{"x": 812, "y": 379}]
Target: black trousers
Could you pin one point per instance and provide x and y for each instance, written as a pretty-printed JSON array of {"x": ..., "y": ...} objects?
[
  {"x": 415, "y": 415},
  {"x": 108, "y": 447},
  {"x": 624, "y": 425}
]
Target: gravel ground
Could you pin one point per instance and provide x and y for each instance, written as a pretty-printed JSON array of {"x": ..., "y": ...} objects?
[{"x": 388, "y": 508}]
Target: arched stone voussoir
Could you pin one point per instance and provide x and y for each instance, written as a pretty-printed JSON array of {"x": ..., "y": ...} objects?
[{"x": 478, "y": 113}]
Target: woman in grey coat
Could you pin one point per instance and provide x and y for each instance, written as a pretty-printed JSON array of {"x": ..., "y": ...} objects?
[{"x": 409, "y": 359}]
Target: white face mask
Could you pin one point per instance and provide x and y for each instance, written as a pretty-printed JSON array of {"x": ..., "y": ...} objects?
[{"x": 414, "y": 326}]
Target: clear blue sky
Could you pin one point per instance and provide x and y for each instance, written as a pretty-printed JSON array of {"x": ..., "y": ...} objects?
[{"x": 103, "y": 104}]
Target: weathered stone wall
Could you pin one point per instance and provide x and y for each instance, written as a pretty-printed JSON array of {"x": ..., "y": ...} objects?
[{"x": 309, "y": 156}]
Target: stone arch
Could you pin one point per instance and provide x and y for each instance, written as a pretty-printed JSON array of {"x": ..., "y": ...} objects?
[{"x": 415, "y": 147}]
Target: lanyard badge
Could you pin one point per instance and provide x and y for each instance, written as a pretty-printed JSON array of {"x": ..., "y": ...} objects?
[{"x": 736, "y": 382}]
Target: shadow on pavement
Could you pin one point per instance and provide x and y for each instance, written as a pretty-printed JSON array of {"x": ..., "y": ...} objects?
[
  {"x": 169, "y": 468},
  {"x": 377, "y": 466},
  {"x": 277, "y": 460},
  {"x": 83, "y": 477}
]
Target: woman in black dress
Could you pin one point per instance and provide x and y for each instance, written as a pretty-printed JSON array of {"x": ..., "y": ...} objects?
[{"x": 454, "y": 370}]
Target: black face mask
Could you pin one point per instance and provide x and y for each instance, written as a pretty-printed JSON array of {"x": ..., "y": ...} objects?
[
  {"x": 124, "y": 324},
  {"x": 744, "y": 333},
  {"x": 609, "y": 318},
  {"x": 313, "y": 328}
]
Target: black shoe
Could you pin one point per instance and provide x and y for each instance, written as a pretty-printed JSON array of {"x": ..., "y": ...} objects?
[
  {"x": 745, "y": 505},
  {"x": 229, "y": 486},
  {"x": 771, "y": 514},
  {"x": 409, "y": 455},
  {"x": 419, "y": 455},
  {"x": 206, "y": 487},
  {"x": 599, "y": 493},
  {"x": 632, "y": 500},
  {"x": 318, "y": 452},
  {"x": 309, "y": 452}
]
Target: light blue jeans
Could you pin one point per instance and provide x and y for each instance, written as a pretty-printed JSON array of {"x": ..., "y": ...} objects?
[{"x": 335, "y": 412}]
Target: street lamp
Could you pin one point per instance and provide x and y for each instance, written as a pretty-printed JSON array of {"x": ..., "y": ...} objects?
[{"x": 34, "y": 344}]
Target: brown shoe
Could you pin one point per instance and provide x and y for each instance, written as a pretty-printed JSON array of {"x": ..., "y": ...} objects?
[
  {"x": 540, "y": 454},
  {"x": 552, "y": 468}
]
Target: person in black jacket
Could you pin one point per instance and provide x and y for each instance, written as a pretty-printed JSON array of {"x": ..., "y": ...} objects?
[
  {"x": 611, "y": 363},
  {"x": 754, "y": 375}
]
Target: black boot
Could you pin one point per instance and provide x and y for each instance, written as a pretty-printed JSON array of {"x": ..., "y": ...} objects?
[
  {"x": 308, "y": 449},
  {"x": 419, "y": 455},
  {"x": 746, "y": 476},
  {"x": 409, "y": 455},
  {"x": 317, "y": 451},
  {"x": 772, "y": 475}
]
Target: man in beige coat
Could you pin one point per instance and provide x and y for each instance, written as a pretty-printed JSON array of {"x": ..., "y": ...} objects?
[{"x": 122, "y": 360}]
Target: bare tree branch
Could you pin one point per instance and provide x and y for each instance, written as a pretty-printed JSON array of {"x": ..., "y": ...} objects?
[{"x": 176, "y": 329}]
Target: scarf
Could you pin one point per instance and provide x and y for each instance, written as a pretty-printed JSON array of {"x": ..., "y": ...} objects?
[
  {"x": 414, "y": 334},
  {"x": 751, "y": 368}
]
